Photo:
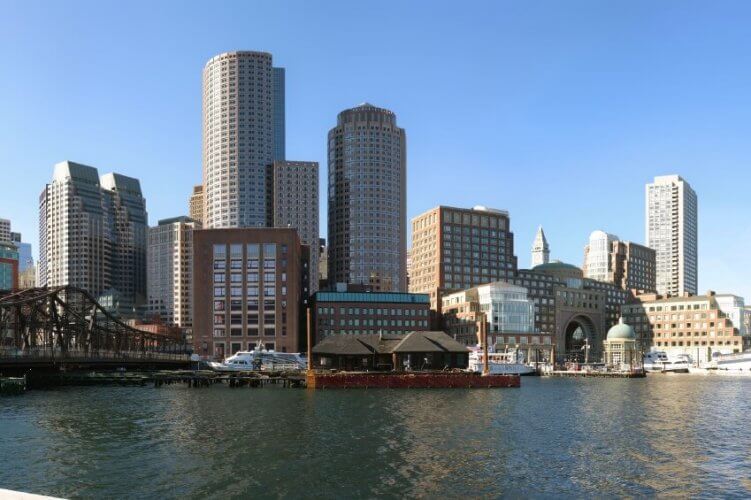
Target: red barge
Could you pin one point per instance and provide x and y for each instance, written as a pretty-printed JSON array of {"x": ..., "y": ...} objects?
[{"x": 397, "y": 380}]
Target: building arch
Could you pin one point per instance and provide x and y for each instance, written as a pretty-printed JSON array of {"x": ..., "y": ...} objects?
[{"x": 580, "y": 330}]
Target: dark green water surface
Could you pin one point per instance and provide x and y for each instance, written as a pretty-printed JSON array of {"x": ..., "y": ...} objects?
[{"x": 678, "y": 435}]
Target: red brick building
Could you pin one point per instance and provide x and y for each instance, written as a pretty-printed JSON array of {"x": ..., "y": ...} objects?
[
  {"x": 358, "y": 313},
  {"x": 248, "y": 287}
]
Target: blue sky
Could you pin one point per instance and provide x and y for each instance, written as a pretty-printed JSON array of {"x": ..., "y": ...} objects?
[{"x": 558, "y": 111}]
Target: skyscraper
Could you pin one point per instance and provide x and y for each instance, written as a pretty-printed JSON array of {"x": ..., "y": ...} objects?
[
  {"x": 367, "y": 199},
  {"x": 170, "y": 270},
  {"x": 671, "y": 230},
  {"x": 195, "y": 204},
  {"x": 296, "y": 206},
  {"x": 238, "y": 139},
  {"x": 279, "y": 115},
  {"x": 93, "y": 232},
  {"x": 540, "y": 249},
  {"x": 125, "y": 205}
]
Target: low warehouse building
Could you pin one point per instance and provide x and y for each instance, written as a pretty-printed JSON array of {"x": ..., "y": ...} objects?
[{"x": 413, "y": 351}]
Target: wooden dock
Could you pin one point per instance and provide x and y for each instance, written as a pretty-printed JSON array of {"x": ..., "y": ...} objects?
[
  {"x": 596, "y": 374},
  {"x": 189, "y": 378}
]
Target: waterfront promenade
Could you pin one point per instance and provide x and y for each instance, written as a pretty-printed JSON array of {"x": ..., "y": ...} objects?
[{"x": 538, "y": 441}]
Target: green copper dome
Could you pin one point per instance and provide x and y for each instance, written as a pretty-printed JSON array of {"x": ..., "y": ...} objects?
[
  {"x": 621, "y": 331},
  {"x": 556, "y": 266}
]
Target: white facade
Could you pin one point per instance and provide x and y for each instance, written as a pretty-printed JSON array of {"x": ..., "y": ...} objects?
[
  {"x": 507, "y": 307},
  {"x": 597, "y": 261},
  {"x": 671, "y": 230},
  {"x": 296, "y": 206},
  {"x": 540, "y": 249},
  {"x": 170, "y": 270},
  {"x": 734, "y": 308}
]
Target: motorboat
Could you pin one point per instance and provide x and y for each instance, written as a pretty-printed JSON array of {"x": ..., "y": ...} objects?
[
  {"x": 499, "y": 363},
  {"x": 261, "y": 359},
  {"x": 660, "y": 362}
]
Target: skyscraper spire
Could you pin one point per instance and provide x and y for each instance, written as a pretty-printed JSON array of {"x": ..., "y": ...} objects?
[{"x": 540, "y": 249}]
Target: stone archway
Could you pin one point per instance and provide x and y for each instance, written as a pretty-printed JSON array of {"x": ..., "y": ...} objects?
[{"x": 579, "y": 331}]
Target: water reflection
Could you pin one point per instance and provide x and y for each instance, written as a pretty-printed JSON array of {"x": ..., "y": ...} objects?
[{"x": 670, "y": 435}]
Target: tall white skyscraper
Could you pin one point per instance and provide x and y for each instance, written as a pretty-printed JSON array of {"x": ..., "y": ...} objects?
[
  {"x": 540, "y": 249},
  {"x": 92, "y": 232},
  {"x": 239, "y": 106},
  {"x": 671, "y": 230}
]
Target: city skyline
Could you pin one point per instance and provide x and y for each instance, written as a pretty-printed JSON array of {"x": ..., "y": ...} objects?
[{"x": 570, "y": 194}]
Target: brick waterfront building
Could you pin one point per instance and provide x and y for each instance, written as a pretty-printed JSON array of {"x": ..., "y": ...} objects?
[
  {"x": 249, "y": 285},
  {"x": 359, "y": 313}
]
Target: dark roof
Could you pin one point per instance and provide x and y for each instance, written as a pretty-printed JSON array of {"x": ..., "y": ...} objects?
[
  {"x": 343, "y": 345},
  {"x": 429, "y": 342},
  {"x": 357, "y": 345}
]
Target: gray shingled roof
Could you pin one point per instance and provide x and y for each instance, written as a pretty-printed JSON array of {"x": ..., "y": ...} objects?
[
  {"x": 357, "y": 345},
  {"x": 344, "y": 345}
]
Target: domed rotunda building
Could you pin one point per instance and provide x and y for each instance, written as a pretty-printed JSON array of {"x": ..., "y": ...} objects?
[{"x": 620, "y": 347}]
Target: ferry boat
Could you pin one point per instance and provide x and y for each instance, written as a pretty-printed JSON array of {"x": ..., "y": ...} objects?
[
  {"x": 660, "y": 362},
  {"x": 499, "y": 363},
  {"x": 260, "y": 359}
]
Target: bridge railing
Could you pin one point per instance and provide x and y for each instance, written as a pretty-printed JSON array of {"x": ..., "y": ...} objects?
[{"x": 44, "y": 354}]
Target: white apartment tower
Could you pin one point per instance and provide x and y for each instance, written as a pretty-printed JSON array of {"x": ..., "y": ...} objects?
[
  {"x": 296, "y": 205},
  {"x": 92, "y": 232},
  {"x": 671, "y": 230},
  {"x": 540, "y": 249},
  {"x": 170, "y": 270},
  {"x": 597, "y": 262},
  {"x": 239, "y": 105}
]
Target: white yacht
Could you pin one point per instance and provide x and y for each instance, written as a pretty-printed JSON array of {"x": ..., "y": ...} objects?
[
  {"x": 261, "y": 359},
  {"x": 499, "y": 363},
  {"x": 660, "y": 362},
  {"x": 726, "y": 364}
]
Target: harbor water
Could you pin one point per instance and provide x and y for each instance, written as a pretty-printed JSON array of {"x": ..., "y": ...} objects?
[{"x": 679, "y": 435}]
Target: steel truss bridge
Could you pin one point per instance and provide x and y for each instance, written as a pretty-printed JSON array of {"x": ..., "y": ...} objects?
[{"x": 53, "y": 327}]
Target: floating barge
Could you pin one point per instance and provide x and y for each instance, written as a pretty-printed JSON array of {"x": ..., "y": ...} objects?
[{"x": 400, "y": 380}]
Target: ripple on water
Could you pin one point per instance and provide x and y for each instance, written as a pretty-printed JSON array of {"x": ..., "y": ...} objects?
[{"x": 674, "y": 436}]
